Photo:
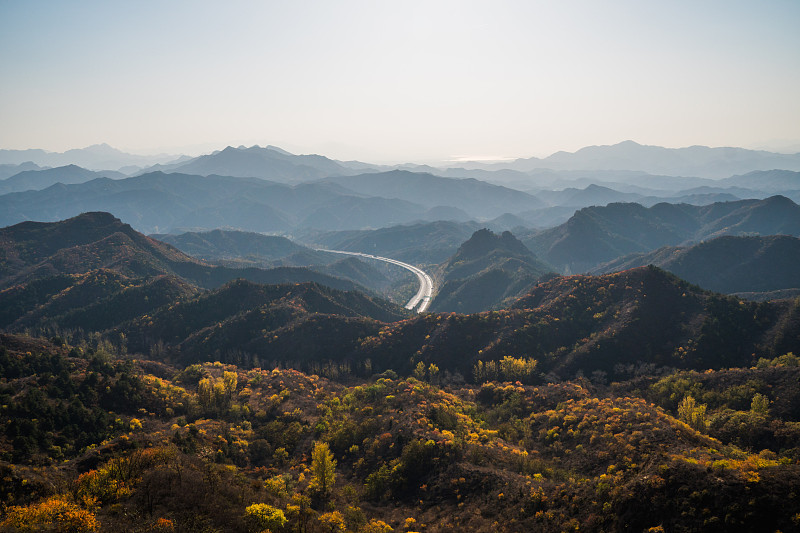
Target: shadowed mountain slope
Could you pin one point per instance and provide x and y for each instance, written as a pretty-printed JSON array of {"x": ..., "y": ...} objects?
[
  {"x": 568, "y": 324},
  {"x": 486, "y": 271},
  {"x": 34, "y": 250},
  {"x": 245, "y": 318},
  {"x": 726, "y": 264},
  {"x": 596, "y": 235}
]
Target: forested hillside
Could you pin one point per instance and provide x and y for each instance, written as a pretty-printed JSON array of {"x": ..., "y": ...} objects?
[{"x": 135, "y": 398}]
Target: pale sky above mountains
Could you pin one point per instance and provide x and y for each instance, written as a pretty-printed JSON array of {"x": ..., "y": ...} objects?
[{"x": 399, "y": 81}]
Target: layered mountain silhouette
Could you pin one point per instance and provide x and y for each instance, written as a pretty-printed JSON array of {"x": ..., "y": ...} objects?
[
  {"x": 97, "y": 156},
  {"x": 41, "y": 179},
  {"x": 162, "y": 203},
  {"x": 691, "y": 161},
  {"x": 8, "y": 170},
  {"x": 487, "y": 271},
  {"x": 477, "y": 198},
  {"x": 269, "y": 163},
  {"x": 726, "y": 264},
  {"x": 596, "y": 235}
]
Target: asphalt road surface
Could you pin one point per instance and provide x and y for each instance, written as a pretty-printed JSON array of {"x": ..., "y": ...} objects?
[{"x": 422, "y": 299}]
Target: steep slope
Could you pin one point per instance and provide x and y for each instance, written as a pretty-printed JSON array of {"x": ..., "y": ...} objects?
[
  {"x": 487, "y": 270},
  {"x": 96, "y": 257},
  {"x": 596, "y": 235},
  {"x": 726, "y": 264}
]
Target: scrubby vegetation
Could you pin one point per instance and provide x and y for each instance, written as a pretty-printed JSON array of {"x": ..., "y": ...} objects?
[
  {"x": 626, "y": 402},
  {"x": 92, "y": 443}
]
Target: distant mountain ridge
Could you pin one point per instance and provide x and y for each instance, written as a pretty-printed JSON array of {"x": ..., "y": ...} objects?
[
  {"x": 475, "y": 198},
  {"x": 596, "y": 235},
  {"x": 699, "y": 161},
  {"x": 160, "y": 203},
  {"x": 269, "y": 163},
  {"x": 96, "y": 157},
  {"x": 42, "y": 178}
]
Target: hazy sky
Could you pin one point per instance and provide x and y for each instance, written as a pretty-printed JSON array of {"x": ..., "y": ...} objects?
[{"x": 399, "y": 81}]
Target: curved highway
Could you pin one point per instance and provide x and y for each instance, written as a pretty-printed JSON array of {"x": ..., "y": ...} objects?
[{"x": 425, "y": 292}]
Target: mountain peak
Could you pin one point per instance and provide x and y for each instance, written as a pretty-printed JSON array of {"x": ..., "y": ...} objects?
[{"x": 485, "y": 241}]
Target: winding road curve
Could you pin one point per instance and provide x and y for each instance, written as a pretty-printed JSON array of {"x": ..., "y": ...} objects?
[{"x": 425, "y": 292}]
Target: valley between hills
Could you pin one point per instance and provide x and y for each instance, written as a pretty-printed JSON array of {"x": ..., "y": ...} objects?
[{"x": 592, "y": 348}]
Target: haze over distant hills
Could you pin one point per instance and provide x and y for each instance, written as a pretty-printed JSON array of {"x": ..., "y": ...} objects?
[
  {"x": 700, "y": 161},
  {"x": 37, "y": 179},
  {"x": 96, "y": 157},
  {"x": 269, "y": 163}
]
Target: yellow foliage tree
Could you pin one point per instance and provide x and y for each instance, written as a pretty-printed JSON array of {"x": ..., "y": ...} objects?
[
  {"x": 323, "y": 469},
  {"x": 56, "y": 513}
]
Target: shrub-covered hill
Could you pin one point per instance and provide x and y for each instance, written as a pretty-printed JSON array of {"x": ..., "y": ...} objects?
[
  {"x": 94, "y": 301},
  {"x": 92, "y": 444},
  {"x": 565, "y": 325},
  {"x": 36, "y": 250},
  {"x": 595, "y": 323},
  {"x": 242, "y": 319},
  {"x": 487, "y": 271}
]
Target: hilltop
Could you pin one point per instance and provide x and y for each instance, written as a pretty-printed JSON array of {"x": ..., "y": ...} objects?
[{"x": 486, "y": 271}]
